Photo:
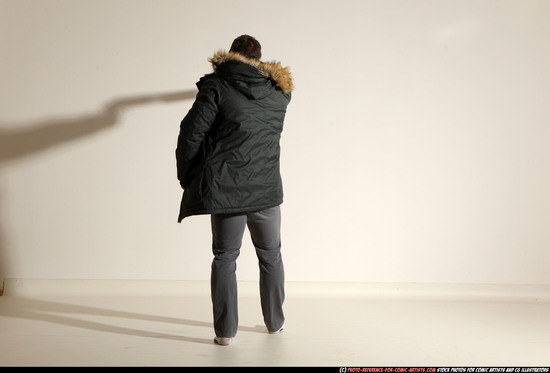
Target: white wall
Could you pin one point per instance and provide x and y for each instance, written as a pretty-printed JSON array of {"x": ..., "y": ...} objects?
[{"x": 415, "y": 148}]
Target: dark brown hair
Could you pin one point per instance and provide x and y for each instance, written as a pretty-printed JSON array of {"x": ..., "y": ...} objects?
[{"x": 247, "y": 46}]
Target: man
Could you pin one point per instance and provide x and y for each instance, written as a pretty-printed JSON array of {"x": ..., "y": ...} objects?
[{"x": 228, "y": 165}]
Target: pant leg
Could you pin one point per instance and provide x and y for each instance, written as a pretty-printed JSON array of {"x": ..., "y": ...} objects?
[
  {"x": 227, "y": 234},
  {"x": 265, "y": 230}
]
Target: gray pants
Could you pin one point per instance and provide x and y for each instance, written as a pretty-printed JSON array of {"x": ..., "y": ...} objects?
[{"x": 227, "y": 234}]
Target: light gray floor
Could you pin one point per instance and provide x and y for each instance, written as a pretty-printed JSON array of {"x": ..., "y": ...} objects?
[{"x": 331, "y": 330}]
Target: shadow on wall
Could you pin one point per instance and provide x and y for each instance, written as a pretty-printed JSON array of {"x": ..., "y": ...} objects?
[
  {"x": 36, "y": 137},
  {"x": 32, "y": 138}
]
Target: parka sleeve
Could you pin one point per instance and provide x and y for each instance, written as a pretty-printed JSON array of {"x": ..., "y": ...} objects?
[{"x": 193, "y": 129}]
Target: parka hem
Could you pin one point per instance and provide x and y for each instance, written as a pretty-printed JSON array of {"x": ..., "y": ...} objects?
[{"x": 226, "y": 210}]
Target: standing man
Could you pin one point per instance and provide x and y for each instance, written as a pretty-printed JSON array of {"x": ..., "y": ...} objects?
[{"x": 228, "y": 165}]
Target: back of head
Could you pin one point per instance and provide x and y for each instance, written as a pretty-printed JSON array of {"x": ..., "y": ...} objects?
[{"x": 247, "y": 46}]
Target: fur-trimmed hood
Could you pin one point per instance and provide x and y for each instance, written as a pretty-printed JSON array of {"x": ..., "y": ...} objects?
[{"x": 273, "y": 70}]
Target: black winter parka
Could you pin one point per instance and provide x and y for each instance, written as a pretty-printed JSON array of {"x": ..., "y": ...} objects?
[{"x": 228, "y": 151}]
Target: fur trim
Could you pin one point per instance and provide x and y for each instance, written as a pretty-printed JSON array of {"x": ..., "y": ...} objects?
[{"x": 273, "y": 70}]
